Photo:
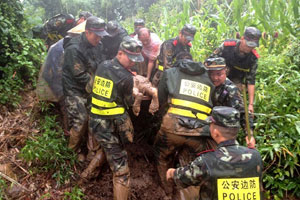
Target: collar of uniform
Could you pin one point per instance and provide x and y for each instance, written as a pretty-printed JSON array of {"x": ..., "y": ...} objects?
[{"x": 228, "y": 143}]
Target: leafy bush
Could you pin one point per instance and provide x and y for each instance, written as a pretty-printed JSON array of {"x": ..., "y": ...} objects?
[
  {"x": 75, "y": 194},
  {"x": 278, "y": 121},
  {"x": 20, "y": 56},
  {"x": 48, "y": 152}
]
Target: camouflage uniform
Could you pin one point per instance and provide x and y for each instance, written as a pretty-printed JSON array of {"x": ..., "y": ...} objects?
[
  {"x": 229, "y": 160},
  {"x": 229, "y": 95},
  {"x": 56, "y": 27},
  {"x": 185, "y": 91},
  {"x": 80, "y": 61},
  {"x": 109, "y": 120},
  {"x": 241, "y": 66},
  {"x": 169, "y": 50},
  {"x": 112, "y": 42}
]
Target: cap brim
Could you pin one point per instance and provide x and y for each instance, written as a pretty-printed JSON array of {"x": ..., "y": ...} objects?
[
  {"x": 252, "y": 43},
  {"x": 135, "y": 58},
  {"x": 101, "y": 33},
  {"x": 214, "y": 68}
]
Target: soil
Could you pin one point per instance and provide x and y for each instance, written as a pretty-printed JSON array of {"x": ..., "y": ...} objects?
[{"x": 16, "y": 125}]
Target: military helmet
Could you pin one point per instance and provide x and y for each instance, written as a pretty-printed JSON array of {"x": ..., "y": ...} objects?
[
  {"x": 215, "y": 63},
  {"x": 252, "y": 36}
]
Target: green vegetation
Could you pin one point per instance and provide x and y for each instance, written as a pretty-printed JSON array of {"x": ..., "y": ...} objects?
[
  {"x": 3, "y": 187},
  {"x": 75, "y": 194},
  {"x": 278, "y": 77},
  {"x": 20, "y": 56},
  {"x": 48, "y": 152}
]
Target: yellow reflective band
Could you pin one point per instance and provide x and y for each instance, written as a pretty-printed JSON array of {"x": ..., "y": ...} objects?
[
  {"x": 160, "y": 68},
  {"x": 241, "y": 69},
  {"x": 190, "y": 104},
  {"x": 112, "y": 111},
  {"x": 103, "y": 104},
  {"x": 186, "y": 113}
]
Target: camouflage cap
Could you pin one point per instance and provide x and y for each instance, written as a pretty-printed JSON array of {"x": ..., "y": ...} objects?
[
  {"x": 188, "y": 31},
  {"x": 252, "y": 36},
  {"x": 85, "y": 14},
  {"x": 132, "y": 48},
  {"x": 113, "y": 28},
  {"x": 225, "y": 116},
  {"x": 96, "y": 25},
  {"x": 213, "y": 64}
]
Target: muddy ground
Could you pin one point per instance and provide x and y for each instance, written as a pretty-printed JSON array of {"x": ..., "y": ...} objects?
[{"x": 16, "y": 125}]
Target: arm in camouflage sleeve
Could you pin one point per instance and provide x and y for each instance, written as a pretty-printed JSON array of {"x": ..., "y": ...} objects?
[
  {"x": 192, "y": 174},
  {"x": 167, "y": 55},
  {"x": 250, "y": 79},
  {"x": 218, "y": 52},
  {"x": 76, "y": 67},
  {"x": 234, "y": 100}
]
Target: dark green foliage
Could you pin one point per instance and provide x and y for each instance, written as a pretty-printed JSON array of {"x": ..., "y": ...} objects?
[
  {"x": 75, "y": 194},
  {"x": 48, "y": 152},
  {"x": 20, "y": 56},
  {"x": 278, "y": 120}
]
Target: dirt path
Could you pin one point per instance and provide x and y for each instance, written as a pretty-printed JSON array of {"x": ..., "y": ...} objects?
[{"x": 19, "y": 124}]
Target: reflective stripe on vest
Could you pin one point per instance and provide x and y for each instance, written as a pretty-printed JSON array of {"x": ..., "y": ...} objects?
[
  {"x": 103, "y": 104},
  {"x": 186, "y": 113},
  {"x": 160, "y": 68},
  {"x": 190, "y": 104},
  {"x": 112, "y": 111},
  {"x": 241, "y": 69}
]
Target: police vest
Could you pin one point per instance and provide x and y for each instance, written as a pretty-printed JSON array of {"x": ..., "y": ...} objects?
[
  {"x": 234, "y": 180},
  {"x": 189, "y": 95},
  {"x": 107, "y": 99},
  {"x": 233, "y": 61}
]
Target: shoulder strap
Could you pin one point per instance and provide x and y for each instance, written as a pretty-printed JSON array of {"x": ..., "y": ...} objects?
[{"x": 229, "y": 43}]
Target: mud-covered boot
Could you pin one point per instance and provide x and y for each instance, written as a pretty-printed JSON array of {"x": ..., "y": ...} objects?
[
  {"x": 93, "y": 145},
  {"x": 97, "y": 161},
  {"x": 74, "y": 140},
  {"x": 121, "y": 189}
]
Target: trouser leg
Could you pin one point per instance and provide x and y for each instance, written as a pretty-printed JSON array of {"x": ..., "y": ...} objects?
[
  {"x": 98, "y": 160},
  {"x": 121, "y": 184}
]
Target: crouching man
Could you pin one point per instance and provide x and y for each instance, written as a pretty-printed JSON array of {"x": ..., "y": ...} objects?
[{"x": 229, "y": 172}]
